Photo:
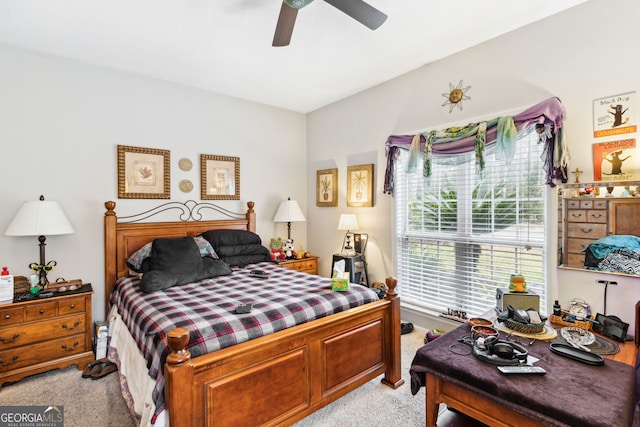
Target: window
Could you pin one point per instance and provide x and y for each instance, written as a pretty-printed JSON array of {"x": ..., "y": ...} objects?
[{"x": 461, "y": 235}]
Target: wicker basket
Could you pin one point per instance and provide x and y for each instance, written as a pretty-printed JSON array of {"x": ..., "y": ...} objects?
[
  {"x": 526, "y": 328},
  {"x": 582, "y": 324}
]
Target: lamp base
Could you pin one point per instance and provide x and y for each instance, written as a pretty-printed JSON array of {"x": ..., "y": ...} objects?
[{"x": 348, "y": 251}]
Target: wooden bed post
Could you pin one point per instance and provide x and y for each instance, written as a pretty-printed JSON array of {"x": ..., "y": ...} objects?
[
  {"x": 393, "y": 376},
  {"x": 251, "y": 217},
  {"x": 179, "y": 379},
  {"x": 110, "y": 268}
]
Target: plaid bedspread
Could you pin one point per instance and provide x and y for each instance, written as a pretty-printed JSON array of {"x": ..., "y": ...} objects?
[{"x": 207, "y": 308}]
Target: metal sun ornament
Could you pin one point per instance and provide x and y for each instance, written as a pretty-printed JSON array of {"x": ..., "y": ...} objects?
[{"x": 455, "y": 96}]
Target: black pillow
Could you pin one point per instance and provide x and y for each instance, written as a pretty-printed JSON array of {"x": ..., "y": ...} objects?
[
  {"x": 237, "y": 247},
  {"x": 222, "y": 237},
  {"x": 176, "y": 261}
]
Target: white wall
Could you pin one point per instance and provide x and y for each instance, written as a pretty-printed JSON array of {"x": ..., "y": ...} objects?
[
  {"x": 61, "y": 122},
  {"x": 579, "y": 55}
]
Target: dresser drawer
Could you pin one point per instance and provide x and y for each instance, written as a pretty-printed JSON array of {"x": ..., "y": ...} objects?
[
  {"x": 575, "y": 260},
  {"x": 11, "y": 316},
  {"x": 32, "y": 333},
  {"x": 597, "y": 215},
  {"x": 42, "y": 352},
  {"x": 576, "y": 215},
  {"x": 71, "y": 305},
  {"x": 576, "y": 246},
  {"x": 591, "y": 231},
  {"x": 305, "y": 265},
  {"x": 40, "y": 311}
]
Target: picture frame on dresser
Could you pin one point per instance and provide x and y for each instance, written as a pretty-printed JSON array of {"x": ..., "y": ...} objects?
[
  {"x": 143, "y": 173},
  {"x": 219, "y": 177}
]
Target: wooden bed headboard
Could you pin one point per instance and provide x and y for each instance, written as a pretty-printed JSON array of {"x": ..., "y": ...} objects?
[{"x": 123, "y": 236}]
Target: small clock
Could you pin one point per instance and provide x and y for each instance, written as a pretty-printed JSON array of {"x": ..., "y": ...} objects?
[{"x": 579, "y": 308}]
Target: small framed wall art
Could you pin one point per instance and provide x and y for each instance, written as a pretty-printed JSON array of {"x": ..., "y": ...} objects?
[
  {"x": 360, "y": 186},
  {"x": 327, "y": 187},
  {"x": 219, "y": 177},
  {"x": 143, "y": 173}
]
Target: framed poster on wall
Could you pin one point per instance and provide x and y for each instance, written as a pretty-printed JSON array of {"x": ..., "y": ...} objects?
[{"x": 360, "y": 186}]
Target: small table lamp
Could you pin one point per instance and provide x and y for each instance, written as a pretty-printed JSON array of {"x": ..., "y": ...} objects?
[
  {"x": 348, "y": 222},
  {"x": 288, "y": 212},
  {"x": 38, "y": 218}
]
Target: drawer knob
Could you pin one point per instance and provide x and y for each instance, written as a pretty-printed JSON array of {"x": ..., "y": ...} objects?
[
  {"x": 13, "y": 359},
  {"x": 72, "y": 306},
  {"x": 587, "y": 230},
  {"x": 3, "y": 340},
  {"x": 41, "y": 311},
  {"x": 64, "y": 346},
  {"x": 75, "y": 325},
  {"x": 7, "y": 316}
]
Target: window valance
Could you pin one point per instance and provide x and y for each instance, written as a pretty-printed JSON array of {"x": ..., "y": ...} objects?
[{"x": 547, "y": 117}]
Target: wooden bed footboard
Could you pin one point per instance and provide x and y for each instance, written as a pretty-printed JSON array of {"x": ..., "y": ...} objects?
[{"x": 285, "y": 376}]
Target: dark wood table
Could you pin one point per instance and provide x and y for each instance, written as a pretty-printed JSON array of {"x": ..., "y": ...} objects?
[{"x": 571, "y": 393}]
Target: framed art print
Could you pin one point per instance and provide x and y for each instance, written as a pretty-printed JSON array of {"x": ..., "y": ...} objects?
[
  {"x": 360, "y": 186},
  {"x": 327, "y": 187},
  {"x": 219, "y": 177},
  {"x": 143, "y": 173}
]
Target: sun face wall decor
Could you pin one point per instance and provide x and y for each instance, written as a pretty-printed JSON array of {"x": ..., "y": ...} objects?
[{"x": 455, "y": 96}]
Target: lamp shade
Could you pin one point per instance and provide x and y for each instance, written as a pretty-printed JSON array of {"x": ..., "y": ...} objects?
[
  {"x": 39, "y": 218},
  {"x": 288, "y": 211},
  {"x": 348, "y": 222}
]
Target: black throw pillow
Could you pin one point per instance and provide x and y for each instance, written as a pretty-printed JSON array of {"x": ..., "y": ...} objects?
[{"x": 176, "y": 261}]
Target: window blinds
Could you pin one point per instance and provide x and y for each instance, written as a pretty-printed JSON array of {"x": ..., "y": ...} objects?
[{"x": 461, "y": 233}]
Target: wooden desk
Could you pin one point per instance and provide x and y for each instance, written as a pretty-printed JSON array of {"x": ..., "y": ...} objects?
[{"x": 571, "y": 393}]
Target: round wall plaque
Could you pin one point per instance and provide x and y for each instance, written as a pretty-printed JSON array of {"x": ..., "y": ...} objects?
[
  {"x": 185, "y": 164},
  {"x": 185, "y": 186}
]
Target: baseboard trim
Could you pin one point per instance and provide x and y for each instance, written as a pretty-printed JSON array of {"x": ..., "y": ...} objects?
[{"x": 425, "y": 319}]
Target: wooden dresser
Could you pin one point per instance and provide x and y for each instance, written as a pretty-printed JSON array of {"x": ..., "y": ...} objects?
[
  {"x": 586, "y": 219},
  {"x": 306, "y": 265},
  {"x": 44, "y": 334},
  {"x": 586, "y": 222}
]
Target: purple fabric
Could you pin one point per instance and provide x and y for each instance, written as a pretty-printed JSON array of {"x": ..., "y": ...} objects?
[
  {"x": 549, "y": 111},
  {"x": 570, "y": 394}
]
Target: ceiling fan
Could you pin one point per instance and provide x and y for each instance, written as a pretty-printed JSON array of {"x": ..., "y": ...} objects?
[{"x": 362, "y": 12}]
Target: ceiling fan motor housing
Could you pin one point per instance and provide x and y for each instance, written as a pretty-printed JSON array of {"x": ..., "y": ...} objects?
[{"x": 297, "y": 4}]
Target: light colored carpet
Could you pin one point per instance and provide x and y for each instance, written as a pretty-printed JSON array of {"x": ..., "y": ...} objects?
[{"x": 99, "y": 403}]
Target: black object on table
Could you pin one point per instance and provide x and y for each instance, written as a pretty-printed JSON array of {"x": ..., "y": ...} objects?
[{"x": 356, "y": 266}]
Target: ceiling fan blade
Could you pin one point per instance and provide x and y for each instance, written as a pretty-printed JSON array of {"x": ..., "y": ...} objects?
[
  {"x": 362, "y": 12},
  {"x": 284, "y": 27}
]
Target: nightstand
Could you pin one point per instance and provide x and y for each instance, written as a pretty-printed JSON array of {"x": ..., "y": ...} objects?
[
  {"x": 305, "y": 265},
  {"x": 45, "y": 334},
  {"x": 356, "y": 266}
]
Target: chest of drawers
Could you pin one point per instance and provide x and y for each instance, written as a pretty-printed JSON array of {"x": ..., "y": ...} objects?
[
  {"x": 586, "y": 221},
  {"x": 306, "y": 265},
  {"x": 44, "y": 334}
]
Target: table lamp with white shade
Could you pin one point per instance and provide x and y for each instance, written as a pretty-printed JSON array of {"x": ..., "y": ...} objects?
[
  {"x": 348, "y": 222},
  {"x": 40, "y": 218},
  {"x": 288, "y": 212}
]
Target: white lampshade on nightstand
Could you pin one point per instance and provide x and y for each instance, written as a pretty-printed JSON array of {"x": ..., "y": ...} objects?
[
  {"x": 40, "y": 218},
  {"x": 348, "y": 222},
  {"x": 289, "y": 212}
]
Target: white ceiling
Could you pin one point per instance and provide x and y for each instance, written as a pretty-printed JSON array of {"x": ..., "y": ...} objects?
[{"x": 225, "y": 45}]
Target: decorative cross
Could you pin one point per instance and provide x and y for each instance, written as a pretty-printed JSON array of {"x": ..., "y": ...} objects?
[{"x": 577, "y": 173}]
